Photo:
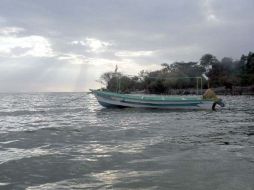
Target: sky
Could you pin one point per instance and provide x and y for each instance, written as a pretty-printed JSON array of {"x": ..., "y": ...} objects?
[{"x": 65, "y": 45}]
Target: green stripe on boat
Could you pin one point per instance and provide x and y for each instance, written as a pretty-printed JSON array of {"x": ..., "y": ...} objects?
[{"x": 149, "y": 97}]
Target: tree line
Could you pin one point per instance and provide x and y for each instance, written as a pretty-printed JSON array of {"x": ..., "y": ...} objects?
[{"x": 182, "y": 75}]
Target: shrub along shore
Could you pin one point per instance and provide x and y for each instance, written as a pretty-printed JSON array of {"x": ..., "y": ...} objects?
[{"x": 227, "y": 76}]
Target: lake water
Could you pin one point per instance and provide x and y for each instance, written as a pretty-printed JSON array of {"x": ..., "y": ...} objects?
[{"x": 68, "y": 141}]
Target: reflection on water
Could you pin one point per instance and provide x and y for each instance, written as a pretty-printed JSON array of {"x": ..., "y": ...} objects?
[
  {"x": 11, "y": 154},
  {"x": 67, "y": 141}
]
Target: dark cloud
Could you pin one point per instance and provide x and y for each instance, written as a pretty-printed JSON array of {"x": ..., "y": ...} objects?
[{"x": 172, "y": 30}]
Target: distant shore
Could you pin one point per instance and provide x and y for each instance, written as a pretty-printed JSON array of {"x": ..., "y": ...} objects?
[{"x": 236, "y": 90}]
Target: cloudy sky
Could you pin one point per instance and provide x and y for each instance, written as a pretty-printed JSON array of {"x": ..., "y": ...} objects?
[{"x": 65, "y": 45}]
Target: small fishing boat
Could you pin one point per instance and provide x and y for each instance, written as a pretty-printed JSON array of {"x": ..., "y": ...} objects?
[{"x": 113, "y": 100}]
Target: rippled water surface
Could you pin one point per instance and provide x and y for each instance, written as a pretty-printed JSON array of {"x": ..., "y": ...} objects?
[{"x": 67, "y": 141}]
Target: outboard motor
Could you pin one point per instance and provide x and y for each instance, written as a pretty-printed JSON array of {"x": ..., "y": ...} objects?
[
  {"x": 219, "y": 102},
  {"x": 210, "y": 95}
]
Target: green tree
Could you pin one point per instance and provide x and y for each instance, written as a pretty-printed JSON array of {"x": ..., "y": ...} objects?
[
  {"x": 208, "y": 60},
  {"x": 178, "y": 75}
]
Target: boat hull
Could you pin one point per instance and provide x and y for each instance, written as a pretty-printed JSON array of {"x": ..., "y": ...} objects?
[{"x": 114, "y": 100}]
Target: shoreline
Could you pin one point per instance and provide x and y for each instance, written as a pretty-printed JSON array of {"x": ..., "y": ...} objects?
[{"x": 235, "y": 91}]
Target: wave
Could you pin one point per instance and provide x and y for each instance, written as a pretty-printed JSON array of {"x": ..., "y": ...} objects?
[
  {"x": 41, "y": 112},
  {"x": 21, "y": 112}
]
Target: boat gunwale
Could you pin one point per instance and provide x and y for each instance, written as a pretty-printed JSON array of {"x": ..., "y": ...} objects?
[{"x": 145, "y": 97}]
